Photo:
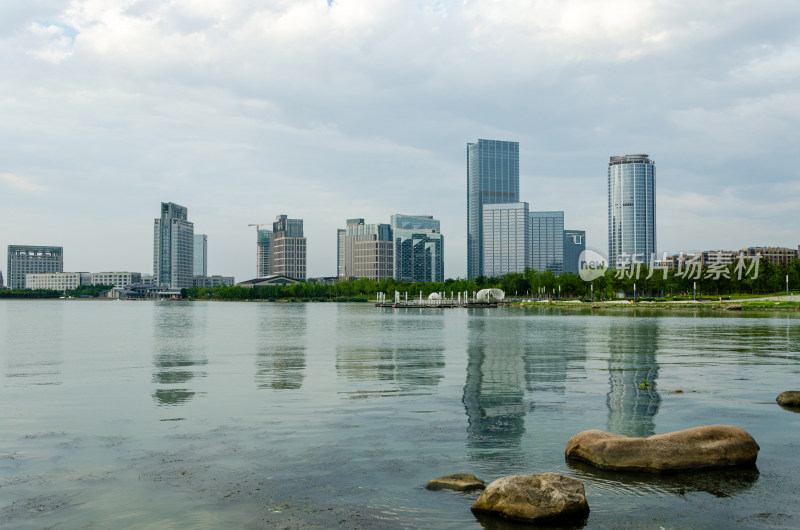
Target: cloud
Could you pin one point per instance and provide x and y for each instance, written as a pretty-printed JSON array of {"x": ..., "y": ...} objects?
[
  {"x": 242, "y": 110},
  {"x": 55, "y": 42},
  {"x": 21, "y": 184}
]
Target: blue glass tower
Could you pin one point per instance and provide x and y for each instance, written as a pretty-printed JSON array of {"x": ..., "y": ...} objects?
[
  {"x": 631, "y": 209},
  {"x": 492, "y": 178}
]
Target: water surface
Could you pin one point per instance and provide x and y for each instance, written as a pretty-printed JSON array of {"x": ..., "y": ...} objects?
[{"x": 203, "y": 415}]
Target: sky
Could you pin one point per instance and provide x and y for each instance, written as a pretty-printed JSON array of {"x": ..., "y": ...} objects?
[{"x": 327, "y": 110}]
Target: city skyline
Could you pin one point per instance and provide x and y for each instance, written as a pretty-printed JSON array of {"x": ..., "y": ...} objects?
[{"x": 166, "y": 102}]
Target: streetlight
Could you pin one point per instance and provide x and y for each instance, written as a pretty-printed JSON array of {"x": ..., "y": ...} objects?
[
  {"x": 694, "y": 296},
  {"x": 634, "y": 292}
]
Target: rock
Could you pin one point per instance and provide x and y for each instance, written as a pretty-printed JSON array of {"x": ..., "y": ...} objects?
[
  {"x": 709, "y": 446},
  {"x": 534, "y": 497},
  {"x": 457, "y": 482},
  {"x": 790, "y": 398},
  {"x": 595, "y": 306},
  {"x": 733, "y": 307}
]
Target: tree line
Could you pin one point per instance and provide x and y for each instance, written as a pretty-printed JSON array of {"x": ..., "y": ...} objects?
[
  {"x": 82, "y": 290},
  {"x": 527, "y": 284}
]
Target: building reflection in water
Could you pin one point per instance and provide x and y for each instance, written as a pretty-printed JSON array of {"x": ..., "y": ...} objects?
[
  {"x": 390, "y": 352},
  {"x": 33, "y": 342},
  {"x": 281, "y": 332},
  {"x": 633, "y": 398},
  {"x": 179, "y": 351},
  {"x": 494, "y": 392}
]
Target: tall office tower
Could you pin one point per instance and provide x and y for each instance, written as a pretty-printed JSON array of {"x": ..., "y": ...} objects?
[
  {"x": 27, "y": 259},
  {"x": 288, "y": 248},
  {"x": 1, "y": 279},
  {"x": 367, "y": 250},
  {"x": 506, "y": 238},
  {"x": 263, "y": 264},
  {"x": 574, "y": 245},
  {"x": 173, "y": 247},
  {"x": 631, "y": 209},
  {"x": 418, "y": 248},
  {"x": 200, "y": 255},
  {"x": 547, "y": 241},
  {"x": 492, "y": 178},
  {"x": 340, "y": 235}
]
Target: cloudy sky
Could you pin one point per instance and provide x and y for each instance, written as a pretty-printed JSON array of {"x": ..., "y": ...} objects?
[{"x": 363, "y": 108}]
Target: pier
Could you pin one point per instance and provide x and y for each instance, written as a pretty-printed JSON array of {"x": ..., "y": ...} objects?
[{"x": 483, "y": 298}]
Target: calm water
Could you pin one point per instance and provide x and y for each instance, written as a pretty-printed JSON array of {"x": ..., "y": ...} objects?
[{"x": 206, "y": 415}]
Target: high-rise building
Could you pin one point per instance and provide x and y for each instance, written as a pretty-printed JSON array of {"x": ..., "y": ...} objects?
[
  {"x": 574, "y": 245},
  {"x": 288, "y": 248},
  {"x": 506, "y": 238},
  {"x": 173, "y": 247},
  {"x": 631, "y": 209},
  {"x": 200, "y": 255},
  {"x": 366, "y": 250},
  {"x": 547, "y": 241},
  {"x": 1, "y": 279},
  {"x": 263, "y": 264},
  {"x": 492, "y": 178},
  {"x": 418, "y": 248},
  {"x": 26, "y": 259},
  {"x": 340, "y": 235}
]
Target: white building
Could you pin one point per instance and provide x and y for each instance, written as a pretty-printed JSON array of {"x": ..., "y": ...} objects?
[
  {"x": 57, "y": 281},
  {"x": 117, "y": 279},
  {"x": 506, "y": 238}
]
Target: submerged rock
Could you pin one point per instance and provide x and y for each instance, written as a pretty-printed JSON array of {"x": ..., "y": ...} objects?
[
  {"x": 709, "y": 446},
  {"x": 534, "y": 497},
  {"x": 457, "y": 482},
  {"x": 790, "y": 398}
]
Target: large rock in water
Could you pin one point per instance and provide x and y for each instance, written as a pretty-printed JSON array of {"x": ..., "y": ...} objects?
[
  {"x": 457, "y": 482},
  {"x": 790, "y": 398},
  {"x": 709, "y": 446},
  {"x": 534, "y": 497}
]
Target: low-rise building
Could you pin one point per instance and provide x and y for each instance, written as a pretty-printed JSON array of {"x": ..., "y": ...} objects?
[
  {"x": 117, "y": 279},
  {"x": 213, "y": 281},
  {"x": 274, "y": 279},
  {"x": 57, "y": 281},
  {"x": 775, "y": 255}
]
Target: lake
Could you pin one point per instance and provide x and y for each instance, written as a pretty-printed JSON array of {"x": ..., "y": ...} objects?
[{"x": 207, "y": 415}]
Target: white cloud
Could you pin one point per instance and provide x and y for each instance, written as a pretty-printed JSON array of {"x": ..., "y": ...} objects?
[
  {"x": 21, "y": 184},
  {"x": 242, "y": 110}
]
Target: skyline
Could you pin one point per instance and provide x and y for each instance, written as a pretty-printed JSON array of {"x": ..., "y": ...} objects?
[{"x": 328, "y": 112}]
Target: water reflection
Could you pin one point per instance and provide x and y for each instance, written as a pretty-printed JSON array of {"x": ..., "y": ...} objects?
[
  {"x": 178, "y": 332},
  {"x": 281, "y": 335},
  {"x": 720, "y": 483},
  {"x": 494, "y": 392},
  {"x": 633, "y": 399},
  {"x": 34, "y": 341},
  {"x": 390, "y": 353}
]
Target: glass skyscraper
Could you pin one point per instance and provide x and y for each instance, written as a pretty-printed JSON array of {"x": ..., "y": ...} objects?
[
  {"x": 547, "y": 241},
  {"x": 200, "y": 255},
  {"x": 173, "y": 247},
  {"x": 492, "y": 178},
  {"x": 631, "y": 209}
]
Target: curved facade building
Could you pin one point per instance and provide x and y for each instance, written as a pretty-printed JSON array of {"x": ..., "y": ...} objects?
[{"x": 631, "y": 209}]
